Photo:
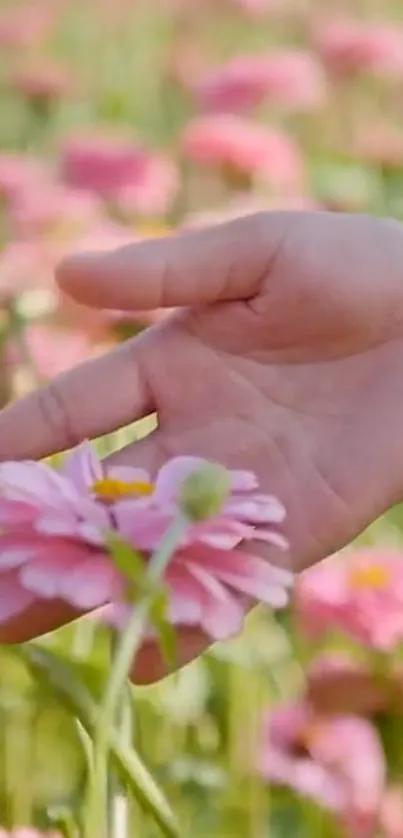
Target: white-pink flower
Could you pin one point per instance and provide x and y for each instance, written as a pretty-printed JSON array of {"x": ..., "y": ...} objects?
[
  {"x": 336, "y": 761},
  {"x": 55, "y": 529}
]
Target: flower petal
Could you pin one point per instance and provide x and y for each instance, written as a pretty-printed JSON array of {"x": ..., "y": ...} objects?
[
  {"x": 14, "y": 599},
  {"x": 239, "y": 564},
  {"x": 14, "y": 556},
  {"x": 223, "y": 614},
  {"x": 243, "y": 481},
  {"x": 171, "y": 476},
  {"x": 143, "y": 525},
  {"x": 35, "y": 483},
  {"x": 256, "y": 509},
  {"x": 83, "y": 467},
  {"x": 92, "y": 583},
  {"x": 45, "y": 574}
]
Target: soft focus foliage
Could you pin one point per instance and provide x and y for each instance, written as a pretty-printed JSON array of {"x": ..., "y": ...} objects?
[{"x": 125, "y": 119}]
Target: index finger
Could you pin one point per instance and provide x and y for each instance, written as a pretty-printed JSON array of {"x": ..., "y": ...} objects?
[{"x": 91, "y": 400}]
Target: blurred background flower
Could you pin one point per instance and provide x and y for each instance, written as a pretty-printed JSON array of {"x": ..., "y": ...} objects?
[{"x": 127, "y": 120}]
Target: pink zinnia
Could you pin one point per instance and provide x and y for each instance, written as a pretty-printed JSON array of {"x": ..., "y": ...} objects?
[
  {"x": 27, "y": 266},
  {"x": 153, "y": 190},
  {"x": 287, "y": 79},
  {"x": 53, "y": 542},
  {"x": 19, "y": 172},
  {"x": 103, "y": 163},
  {"x": 360, "y": 594},
  {"x": 43, "y": 82},
  {"x": 266, "y": 154},
  {"x": 391, "y": 812},
  {"x": 353, "y": 46},
  {"x": 26, "y": 25},
  {"x": 54, "y": 208},
  {"x": 336, "y": 761}
]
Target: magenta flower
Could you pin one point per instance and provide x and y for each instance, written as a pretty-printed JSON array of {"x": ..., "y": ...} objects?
[
  {"x": 351, "y": 46},
  {"x": 288, "y": 79},
  {"x": 267, "y": 155},
  {"x": 336, "y": 761},
  {"x": 360, "y": 594},
  {"x": 53, "y": 542},
  {"x": 102, "y": 163}
]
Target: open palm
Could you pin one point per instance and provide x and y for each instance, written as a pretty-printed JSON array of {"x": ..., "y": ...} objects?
[{"x": 286, "y": 357}]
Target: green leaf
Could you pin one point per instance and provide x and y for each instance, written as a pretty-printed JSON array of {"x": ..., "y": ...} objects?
[
  {"x": 73, "y": 691},
  {"x": 35, "y": 771},
  {"x": 129, "y": 561},
  {"x": 57, "y": 773},
  {"x": 166, "y": 632}
]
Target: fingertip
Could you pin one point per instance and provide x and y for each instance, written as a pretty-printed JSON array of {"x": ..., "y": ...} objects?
[{"x": 73, "y": 272}]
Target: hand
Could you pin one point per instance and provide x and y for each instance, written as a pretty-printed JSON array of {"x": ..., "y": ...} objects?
[{"x": 286, "y": 357}]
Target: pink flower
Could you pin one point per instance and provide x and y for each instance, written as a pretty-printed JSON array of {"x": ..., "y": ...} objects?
[
  {"x": 136, "y": 181},
  {"x": 28, "y": 832},
  {"x": 102, "y": 163},
  {"x": 53, "y": 208},
  {"x": 360, "y": 594},
  {"x": 43, "y": 82},
  {"x": 54, "y": 350},
  {"x": 153, "y": 190},
  {"x": 336, "y": 761},
  {"x": 352, "y": 46},
  {"x": 53, "y": 540},
  {"x": 26, "y": 267},
  {"x": 287, "y": 79},
  {"x": 391, "y": 813},
  {"x": 266, "y": 154},
  {"x": 17, "y": 173},
  {"x": 24, "y": 25}
]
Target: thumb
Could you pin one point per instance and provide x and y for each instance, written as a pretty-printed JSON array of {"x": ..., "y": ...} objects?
[{"x": 225, "y": 262}]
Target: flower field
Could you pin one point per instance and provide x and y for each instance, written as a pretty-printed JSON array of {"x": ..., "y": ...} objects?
[{"x": 124, "y": 121}]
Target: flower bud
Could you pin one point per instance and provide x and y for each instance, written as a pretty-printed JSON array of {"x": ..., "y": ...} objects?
[{"x": 205, "y": 491}]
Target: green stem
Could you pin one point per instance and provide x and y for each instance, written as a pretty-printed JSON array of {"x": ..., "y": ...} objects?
[
  {"x": 64, "y": 678},
  {"x": 127, "y": 648}
]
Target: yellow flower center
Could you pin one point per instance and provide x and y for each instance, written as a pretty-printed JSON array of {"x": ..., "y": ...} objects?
[
  {"x": 110, "y": 489},
  {"x": 375, "y": 576}
]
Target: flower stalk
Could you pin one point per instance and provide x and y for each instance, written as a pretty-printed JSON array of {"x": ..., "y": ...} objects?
[{"x": 126, "y": 650}]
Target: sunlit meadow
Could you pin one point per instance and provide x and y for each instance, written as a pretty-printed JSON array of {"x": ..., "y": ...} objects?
[{"x": 126, "y": 119}]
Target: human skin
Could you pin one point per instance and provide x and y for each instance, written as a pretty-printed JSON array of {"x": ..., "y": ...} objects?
[{"x": 285, "y": 357}]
